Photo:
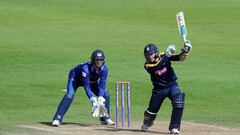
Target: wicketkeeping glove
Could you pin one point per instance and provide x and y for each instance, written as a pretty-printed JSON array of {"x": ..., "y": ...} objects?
[
  {"x": 171, "y": 49},
  {"x": 95, "y": 107},
  {"x": 102, "y": 108},
  {"x": 187, "y": 47}
]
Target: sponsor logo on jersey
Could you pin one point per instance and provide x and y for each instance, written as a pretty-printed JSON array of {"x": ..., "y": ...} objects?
[
  {"x": 161, "y": 71},
  {"x": 84, "y": 74}
]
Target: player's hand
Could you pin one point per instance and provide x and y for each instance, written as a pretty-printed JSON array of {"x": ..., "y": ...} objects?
[
  {"x": 171, "y": 49},
  {"x": 95, "y": 107},
  {"x": 187, "y": 47}
]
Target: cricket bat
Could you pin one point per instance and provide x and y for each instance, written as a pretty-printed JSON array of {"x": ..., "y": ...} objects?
[{"x": 182, "y": 25}]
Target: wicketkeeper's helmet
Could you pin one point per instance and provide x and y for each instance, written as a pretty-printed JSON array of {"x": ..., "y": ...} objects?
[
  {"x": 97, "y": 55},
  {"x": 150, "y": 49}
]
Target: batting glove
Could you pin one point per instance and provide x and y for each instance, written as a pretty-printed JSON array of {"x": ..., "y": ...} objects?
[
  {"x": 171, "y": 49},
  {"x": 187, "y": 47}
]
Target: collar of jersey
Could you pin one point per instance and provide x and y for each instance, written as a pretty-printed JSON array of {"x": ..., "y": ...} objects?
[{"x": 152, "y": 65}]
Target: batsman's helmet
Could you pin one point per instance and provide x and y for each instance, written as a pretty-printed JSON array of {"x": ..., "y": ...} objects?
[
  {"x": 97, "y": 55},
  {"x": 150, "y": 49}
]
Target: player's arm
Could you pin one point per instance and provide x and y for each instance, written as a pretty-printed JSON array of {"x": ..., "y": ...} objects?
[
  {"x": 86, "y": 83},
  {"x": 102, "y": 82},
  {"x": 187, "y": 47},
  {"x": 180, "y": 57},
  {"x": 87, "y": 88},
  {"x": 101, "y": 110}
]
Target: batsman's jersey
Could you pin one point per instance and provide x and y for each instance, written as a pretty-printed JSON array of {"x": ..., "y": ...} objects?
[
  {"x": 85, "y": 75},
  {"x": 161, "y": 72}
]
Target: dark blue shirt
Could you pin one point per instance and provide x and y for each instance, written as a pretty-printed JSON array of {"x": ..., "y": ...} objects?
[
  {"x": 161, "y": 72},
  {"x": 85, "y": 75}
]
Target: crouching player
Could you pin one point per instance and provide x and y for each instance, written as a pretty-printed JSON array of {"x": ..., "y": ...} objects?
[
  {"x": 164, "y": 84},
  {"x": 92, "y": 76}
]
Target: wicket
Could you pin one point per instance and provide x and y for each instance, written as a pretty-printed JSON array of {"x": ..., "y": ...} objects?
[{"x": 122, "y": 84}]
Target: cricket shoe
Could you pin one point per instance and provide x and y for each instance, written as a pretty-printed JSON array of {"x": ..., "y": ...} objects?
[
  {"x": 144, "y": 128},
  {"x": 56, "y": 123},
  {"x": 107, "y": 122},
  {"x": 175, "y": 131}
]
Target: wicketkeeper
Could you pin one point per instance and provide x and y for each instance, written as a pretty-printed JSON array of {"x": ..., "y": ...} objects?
[
  {"x": 164, "y": 82},
  {"x": 92, "y": 76}
]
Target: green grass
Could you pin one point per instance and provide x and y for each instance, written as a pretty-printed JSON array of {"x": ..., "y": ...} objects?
[{"x": 41, "y": 40}]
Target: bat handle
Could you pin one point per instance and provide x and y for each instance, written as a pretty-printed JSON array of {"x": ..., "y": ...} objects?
[{"x": 184, "y": 38}]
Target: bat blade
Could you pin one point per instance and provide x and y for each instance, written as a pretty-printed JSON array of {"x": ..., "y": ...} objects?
[{"x": 181, "y": 25}]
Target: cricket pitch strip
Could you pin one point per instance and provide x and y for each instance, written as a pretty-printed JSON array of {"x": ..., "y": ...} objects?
[{"x": 159, "y": 128}]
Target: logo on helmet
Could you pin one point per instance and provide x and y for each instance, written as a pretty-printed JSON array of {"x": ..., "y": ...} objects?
[
  {"x": 99, "y": 54},
  {"x": 147, "y": 48}
]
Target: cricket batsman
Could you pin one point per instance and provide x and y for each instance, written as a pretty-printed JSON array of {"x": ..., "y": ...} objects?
[
  {"x": 164, "y": 83},
  {"x": 91, "y": 75}
]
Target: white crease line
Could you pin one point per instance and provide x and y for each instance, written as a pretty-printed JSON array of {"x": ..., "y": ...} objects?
[
  {"x": 204, "y": 125},
  {"x": 64, "y": 90},
  {"x": 44, "y": 129},
  {"x": 38, "y": 128}
]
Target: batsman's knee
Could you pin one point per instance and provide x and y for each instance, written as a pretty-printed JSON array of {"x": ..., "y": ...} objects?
[
  {"x": 149, "y": 118},
  {"x": 178, "y": 100}
]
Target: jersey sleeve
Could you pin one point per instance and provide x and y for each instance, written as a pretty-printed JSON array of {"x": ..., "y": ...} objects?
[
  {"x": 148, "y": 67},
  {"x": 175, "y": 58},
  {"x": 86, "y": 82},
  {"x": 102, "y": 82}
]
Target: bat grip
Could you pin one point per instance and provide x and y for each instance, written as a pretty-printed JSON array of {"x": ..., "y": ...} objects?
[{"x": 184, "y": 38}]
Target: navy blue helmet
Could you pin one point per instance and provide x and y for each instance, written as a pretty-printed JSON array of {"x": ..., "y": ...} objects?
[
  {"x": 98, "y": 55},
  {"x": 150, "y": 49}
]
